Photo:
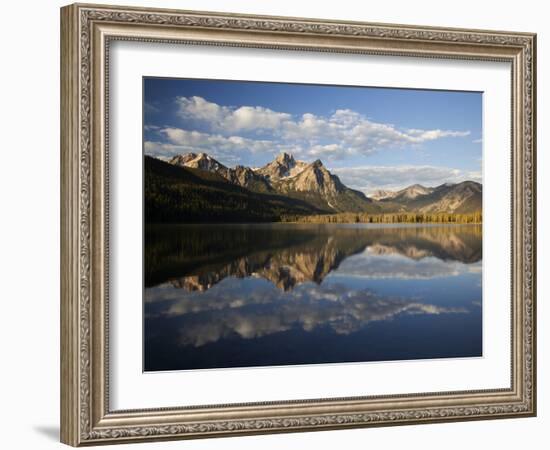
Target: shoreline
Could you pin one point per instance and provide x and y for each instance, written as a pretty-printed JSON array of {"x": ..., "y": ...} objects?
[
  {"x": 389, "y": 218},
  {"x": 375, "y": 224}
]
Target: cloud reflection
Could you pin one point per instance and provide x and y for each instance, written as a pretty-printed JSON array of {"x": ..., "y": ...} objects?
[
  {"x": 231, "y": 312},
  {"x": 373, "y": 264}
]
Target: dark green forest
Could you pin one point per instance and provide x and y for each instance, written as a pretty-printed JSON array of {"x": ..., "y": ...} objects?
[{"x": 175, "y": 194}]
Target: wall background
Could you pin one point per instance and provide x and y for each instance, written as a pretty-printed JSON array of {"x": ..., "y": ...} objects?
[{"x": 29, "y": 237}]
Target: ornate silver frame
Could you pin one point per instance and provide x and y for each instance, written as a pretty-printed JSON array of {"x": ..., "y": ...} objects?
[{"x": 86, "y": 31}]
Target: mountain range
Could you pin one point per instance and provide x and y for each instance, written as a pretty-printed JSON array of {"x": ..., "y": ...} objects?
[
  {"x": 459, "y": 198},
  {"x": 195, "y": 187},
  {"x": 310, "y": 182}
]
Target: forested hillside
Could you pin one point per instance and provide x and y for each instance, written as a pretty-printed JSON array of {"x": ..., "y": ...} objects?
[{"x": 181, "y": 194}]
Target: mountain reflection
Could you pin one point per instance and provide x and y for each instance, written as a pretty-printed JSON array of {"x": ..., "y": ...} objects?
[{"x": 196, "y": 258}]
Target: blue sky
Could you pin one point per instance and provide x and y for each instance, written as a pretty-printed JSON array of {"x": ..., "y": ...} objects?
[{"x": 372, "y": 138}]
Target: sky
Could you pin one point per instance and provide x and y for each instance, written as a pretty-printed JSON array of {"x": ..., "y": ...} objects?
[{"x": 372, "y": 138}]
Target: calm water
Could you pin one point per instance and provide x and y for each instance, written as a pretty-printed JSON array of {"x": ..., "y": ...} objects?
[{"x": 278, "y": 294}]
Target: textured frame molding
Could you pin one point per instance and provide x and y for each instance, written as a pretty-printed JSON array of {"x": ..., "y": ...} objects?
[{"x": 86, "y": 31}]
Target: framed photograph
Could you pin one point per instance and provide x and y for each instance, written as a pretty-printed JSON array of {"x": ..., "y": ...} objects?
[{"x": 278, "y": 224}]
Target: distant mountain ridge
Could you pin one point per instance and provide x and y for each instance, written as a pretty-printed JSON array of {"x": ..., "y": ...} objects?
[
  {"x": 412, "y": 192},
  {"x": 288, "y": 187},
  {"x": 381, "y": 194},
  {"x": 459, "y": 198}
]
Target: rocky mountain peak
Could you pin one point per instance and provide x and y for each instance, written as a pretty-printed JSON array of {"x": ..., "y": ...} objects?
[
  {"x": 240, "y": 175},
  {"x": 316, "y": 178},
  {"x": 286, "y": 159},
  {"x": 382, "y": 194},
  {"x": 181, "y": 160},
  {"x": 414, "y": 191},
  {"x": 283, "y": 166},
  {"x": 198, "y": 161},
  {"x": 467, "y": 187},
  {"x": 317, "y": 163}
]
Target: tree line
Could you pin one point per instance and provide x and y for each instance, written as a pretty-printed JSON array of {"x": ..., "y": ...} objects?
[{"x": 475, "y": 217}]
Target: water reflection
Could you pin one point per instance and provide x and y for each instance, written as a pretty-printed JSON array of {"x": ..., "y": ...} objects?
[
  {"x": 198, "y": 257},
  {"x": 249, "y": 295},
  {"x": 267, "y": 311}
]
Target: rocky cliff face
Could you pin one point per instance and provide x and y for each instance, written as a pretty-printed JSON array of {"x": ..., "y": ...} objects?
[
  {"x": 285, "y": 175},
  {"x": 200, "y": 161},
  {"x": 246, "y": 177},
  {"x": 313, "y": 177},
  {"x": 240, "y": 175},
  {"x": 284, "y": 166}
]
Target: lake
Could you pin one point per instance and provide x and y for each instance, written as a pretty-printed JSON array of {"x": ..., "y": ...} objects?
[{"x": 219, "y": 296}]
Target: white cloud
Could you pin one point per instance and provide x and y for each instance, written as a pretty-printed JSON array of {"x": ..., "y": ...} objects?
[
  {"x": 431, "y": 135},
  {"x": 200, "y": 109},
  {"x": 343, "y": 133},
  {"x": 228, "y": 148},
  {"x": 382, "y": 261},
  {"x": 254, "y": 117},
  {"x": 223, "y": 118},
  {"x": 371, "y": 178},
  {"x": 334, "y": 151}
]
